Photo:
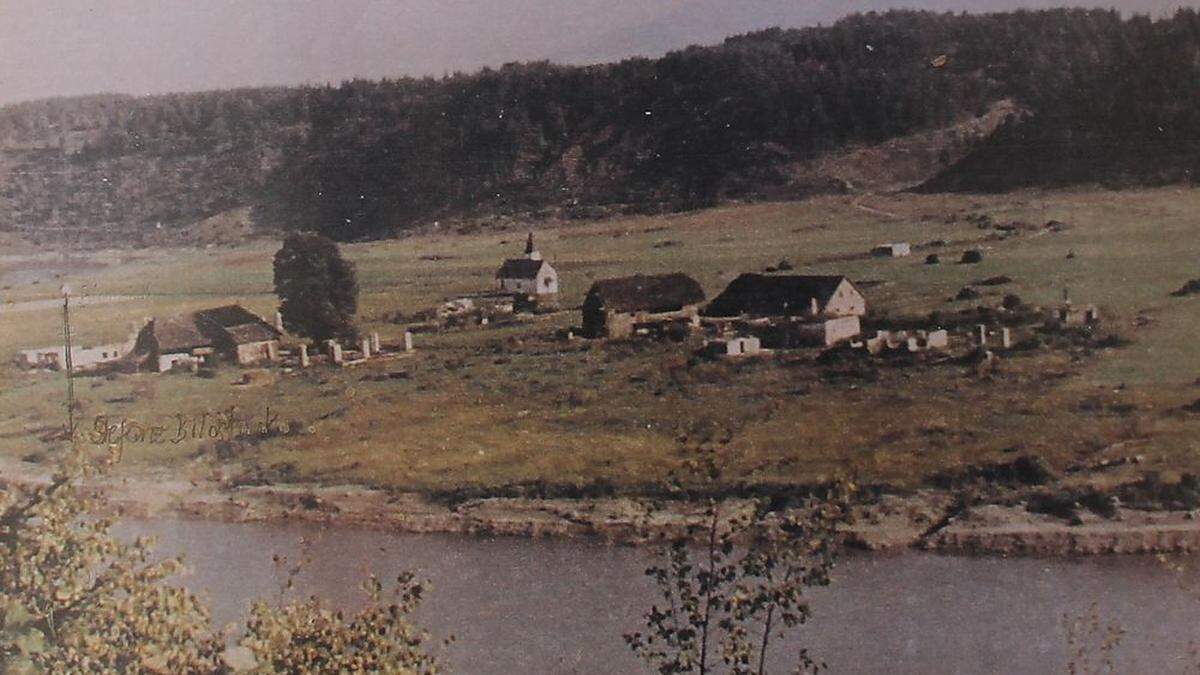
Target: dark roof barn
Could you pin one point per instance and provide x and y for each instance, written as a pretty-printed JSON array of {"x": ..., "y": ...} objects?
[
  {"x": 774, "y": 295},
  {"x": 640, "y": 293},
  {"x": 645, "y": 293}
]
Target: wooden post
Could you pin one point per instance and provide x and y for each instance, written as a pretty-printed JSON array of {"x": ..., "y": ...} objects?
[
  {"x": 304, "y": 362},
  {"x": 366, "y": 348},
  {"x": 68, "y": 362},
  {"x": 408, "y": 341},
  {"x": 375, "y": 349}
]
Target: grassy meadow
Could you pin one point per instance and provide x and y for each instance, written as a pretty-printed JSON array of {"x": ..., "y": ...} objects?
[{"x": 485, "y": 407}]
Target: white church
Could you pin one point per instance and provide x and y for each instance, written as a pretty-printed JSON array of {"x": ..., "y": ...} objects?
[{"x": 528, "y": 275}]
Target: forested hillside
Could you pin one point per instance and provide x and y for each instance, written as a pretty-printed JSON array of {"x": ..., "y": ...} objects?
[{"x": 1103, "y": 99}]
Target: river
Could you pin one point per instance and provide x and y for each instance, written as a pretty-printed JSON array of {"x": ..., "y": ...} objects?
[{"x": 554, "y": 606}]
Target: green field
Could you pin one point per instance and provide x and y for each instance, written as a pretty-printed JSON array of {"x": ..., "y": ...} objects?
[{"x": 486, "y": 407}]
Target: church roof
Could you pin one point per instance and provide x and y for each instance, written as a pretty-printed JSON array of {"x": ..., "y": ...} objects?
[{"x": 520, "y": 268}]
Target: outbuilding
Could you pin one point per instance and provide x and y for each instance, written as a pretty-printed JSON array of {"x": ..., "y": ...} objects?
[
  {"x": 896, "y": 250},
  {"x": 732, "y": 347}
]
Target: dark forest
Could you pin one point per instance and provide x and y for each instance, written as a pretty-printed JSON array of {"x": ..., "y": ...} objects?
[{"x": 1107, "y": 100}]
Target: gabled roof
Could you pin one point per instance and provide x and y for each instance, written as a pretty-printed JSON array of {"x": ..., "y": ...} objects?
[
  {"x": 235, "y": 322},
  {"x": 205, "y": 328},
  {"x": 774, "y": 295},
  {"x": 179, "y": 333},
  {"x": 229, "y": 315},
  {"x": 520, "y": 268},
  {"x": 252, "y": 332},
  {"x": 646, "y": 293}
]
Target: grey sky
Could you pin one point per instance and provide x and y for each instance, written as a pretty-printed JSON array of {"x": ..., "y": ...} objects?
[{"x": 67, "y": 47}]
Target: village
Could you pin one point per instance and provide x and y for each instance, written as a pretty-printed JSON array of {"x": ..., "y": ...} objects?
[
  {"x": 598, "y": 357},
  {"x": 590, "y": 365},
  {"x": 758, "y": 315}
]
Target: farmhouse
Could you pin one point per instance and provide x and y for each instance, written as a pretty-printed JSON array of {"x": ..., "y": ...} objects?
[
  {"x": 617, "y": 308},
  {"x": 241, "y": 335},
  {"x": 82, "y": 358},
  {"x": 528, "y": 275},
  {"x": 790, "y": 295},
  {"x": 199, "y": 338}
]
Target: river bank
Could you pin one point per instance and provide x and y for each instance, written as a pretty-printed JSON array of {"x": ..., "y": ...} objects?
[{"x": 928, "y": 520}]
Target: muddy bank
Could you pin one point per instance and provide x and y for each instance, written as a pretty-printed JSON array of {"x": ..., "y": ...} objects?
[
  {"x": 927, "y": 520},
  {"x": 1011, "y": 530}
]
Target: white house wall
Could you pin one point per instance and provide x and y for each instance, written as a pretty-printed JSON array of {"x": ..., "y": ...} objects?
[{"x": 846, "y": 301}]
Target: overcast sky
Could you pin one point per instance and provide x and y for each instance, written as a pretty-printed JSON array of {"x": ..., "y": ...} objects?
[{"x": 67, "y": 47}]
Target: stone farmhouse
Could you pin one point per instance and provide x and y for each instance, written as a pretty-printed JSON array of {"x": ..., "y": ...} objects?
[
  {"x": 230, "y": 333},
  {"x": 529, "y": 275},
  {"x": 790, "y": 295},
  {"x": 795, "y": 310},
  {"x": 618, "y": 308}
]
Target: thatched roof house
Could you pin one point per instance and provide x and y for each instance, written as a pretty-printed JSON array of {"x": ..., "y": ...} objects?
[
  {"x": 613, "y": 306},
  {"x": 195, "y": 337},
  {"x": 240, "y": 324},
  {"x": 789, "y": 295}
]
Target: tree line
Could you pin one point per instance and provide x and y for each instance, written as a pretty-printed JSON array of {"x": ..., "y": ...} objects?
[{"x": 1112, "y": 100}]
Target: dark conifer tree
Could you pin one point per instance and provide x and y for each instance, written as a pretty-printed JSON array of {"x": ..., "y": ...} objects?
[{"x": 317, "y": 289}]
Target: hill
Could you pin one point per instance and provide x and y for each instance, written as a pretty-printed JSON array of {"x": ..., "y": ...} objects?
[{"x": 772, "y": 114}]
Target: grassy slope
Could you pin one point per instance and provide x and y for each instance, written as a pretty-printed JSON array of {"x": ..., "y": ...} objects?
[{"x": 491, "y": 406}]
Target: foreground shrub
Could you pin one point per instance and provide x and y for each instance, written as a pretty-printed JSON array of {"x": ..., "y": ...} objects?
[
  {"x": 309, "y": 637},
  {"x": 74, "y": 599},
  {"x": 77, "y": 600}
]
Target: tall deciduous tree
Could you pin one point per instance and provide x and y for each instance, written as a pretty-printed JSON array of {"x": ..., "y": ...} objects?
[{"x": 317, "y": 289}]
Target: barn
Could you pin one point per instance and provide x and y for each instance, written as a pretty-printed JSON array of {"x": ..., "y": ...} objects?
[
  {"x": 616, "y": 308},
  {"x": 790, "y": 295}
]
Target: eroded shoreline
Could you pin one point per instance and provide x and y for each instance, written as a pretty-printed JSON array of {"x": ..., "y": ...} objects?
[{"x": 926, "y": 520}]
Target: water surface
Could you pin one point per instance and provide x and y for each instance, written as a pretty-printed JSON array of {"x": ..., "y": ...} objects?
[{"x": 552, "y": 606}]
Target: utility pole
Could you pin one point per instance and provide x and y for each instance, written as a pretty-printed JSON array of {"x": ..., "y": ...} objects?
[{"x": 68, "y": 362}]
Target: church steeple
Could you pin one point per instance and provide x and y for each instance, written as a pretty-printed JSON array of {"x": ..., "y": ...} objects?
[{"x": 531, "y": 251}]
